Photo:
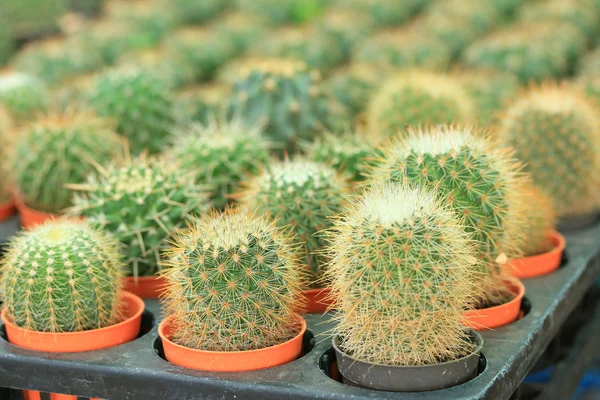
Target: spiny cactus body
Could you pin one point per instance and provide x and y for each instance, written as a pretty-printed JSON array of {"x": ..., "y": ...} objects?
[
  {"x": 198, "y": 12},
  {"x": 240, "y": 29},
  {"x": 282, "y": 96},
  {"x": 300, "y": 194},
  {"x": 387, "y": 12},
  {"x": 554, "y": 130},
  {"x": 201, "y": 103},
  {"x": 22, "y": 94},
  {"x": 141, "y": 105},
  {"x": 141, "y": 202},
  {"x": 415, "y": 98},
  {"x": 478, "y": 178},
  {"x": 171, "y": 70},
  {"x": 221, "y": 155},
  {"x": 233, "y": 283},
  {"x": 57, "y": 149},
  {"x": 62, "y": 277},
  {"x": 280, "y": 12},
  {"x": 540, "y": 219},
  {"x": 345, "y": 27},
  {"x": 579, "y": 13},
  {"x": 401, "y": 269}
]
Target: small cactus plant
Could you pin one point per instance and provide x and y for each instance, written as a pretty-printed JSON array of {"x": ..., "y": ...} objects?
[
  {"x": 221, "y": 155},
  {"x": 141, "y": 201},
  {"x": 345, "y": 27},
  {"x": 140, "y": 103},
  {"x": 63, "y": 276},
  {"x": 22, "y": 94},
  {"x": 233, "y": 283},
  {"x": 31, "y": 19},
  {"x": 482, "y": 182},
  {"x": 554, "y": 130},
  {"x": 387, "y": 12},
  {"x": 540, "y": 219},
  {"x": 282, "y": 96},
  {"x": 60, "y": 148},
  {"x": 198, "y": 12},
  {"x": 303, "y": 195},
  {"x": 401, "y": 268},
  {"x": 415, "y": 98},
  {"x": 201, "y": 103},
  {"x": 280, "y": 12}
]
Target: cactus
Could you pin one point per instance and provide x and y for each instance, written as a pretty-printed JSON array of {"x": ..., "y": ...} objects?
[
  {"x": 554, "y": 130},
  {"x": 221, "y": 155},
  {"x": 315, "y": 48},
  {"x": 490, "y": 91},
  {"x": 416, "y": 98},
  {"x": 303, "y": 195},
  {"x": 590, "y": 64},
  {"x": 531, "y": 51},
  {"x": 172, "y": 71},
  {"x": 281, "y": 12},
  {"x": 140, "y": 103},
  {"x": 240, "y": 29},
  {"x": 403, "y": 48},
  {"x": 282, "y": 96},
  {"x": 57, "y": 149},
  {"x": 200, "y": 103},
  {"x": 506, "y": 7},
  {"x": 349, "y": 153},
  {"x": 540, "y": 220},
  {"x": 481, "y": 180},
  {"x": 7, "y": 44},
  {"x": 233, "y": 283},
  {"x": 141, "y": 201},
  {"x": 578, "y": 13},
  {"x": 89, "y": 8},
  {"x": 345, "y": 27},
  {"x": 387, "y": 12},
  {"x": 63, "y": 276},
  {"x": 401, "y": 268},
  {"x": 23, "y": 95},
  {"x": 31, "y": 19},
  {"x": 198, "y": 12}
]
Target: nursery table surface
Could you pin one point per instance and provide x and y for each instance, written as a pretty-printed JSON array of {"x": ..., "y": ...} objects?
[{"x": 136, "y": 370}]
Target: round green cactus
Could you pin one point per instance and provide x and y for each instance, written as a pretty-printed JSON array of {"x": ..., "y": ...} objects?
[
  {"x": 22, "y": 94},
  {"x": 401, "y": 267},
  {"x": 303, "y": 195},
  {"x": 31, "y": 19},
  {"x": 221, "y": 155},
  {"x": 578, "y": 13},
  {"x": 403, "y": 48},
  {"x": 387, "y": 12},
  {"x": 57, "y": 149},
  {"x": 63, "y": 276},
  {"x": 140, "y": 103},
  {"x": 349, "y": 153},
  {"x": 141, "y": 202},
  {"x": 283, "y": 97},
  {"x": 531, "y": 51},
  {"x": 345, "y": 27},
  {"x": 554, "y": 130},
  {"x": 233, "y": 283},
  {"x": 240, "y": 29},
  {"x": 540, "y": 219},
  {"x": 478, "y": 178},
  {"x": 198, "y": 12},
  {"x": 201, "y": 103},
  {"x": 280, "y": 12},
  {"x": 415, "y": 98}
]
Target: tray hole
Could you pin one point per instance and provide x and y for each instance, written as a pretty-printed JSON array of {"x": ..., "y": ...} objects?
[
  {"x": 308, "y": 343},
  {"x": 525, "y": 308},
  {"x": 564, "y": 259}
]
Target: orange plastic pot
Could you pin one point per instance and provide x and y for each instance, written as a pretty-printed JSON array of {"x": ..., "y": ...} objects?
[
  {"x": 497, "y": 316},
  {"x": 147, "y": 287},
  {"x": 540, "y": 264},
  {"x": 7, "y": 210},
  {"x": 30, "y": 218},
  {"x": 317, "y": 300},
  {"x": 230, "y": 361},
  {"x": 75, "y": 342}
]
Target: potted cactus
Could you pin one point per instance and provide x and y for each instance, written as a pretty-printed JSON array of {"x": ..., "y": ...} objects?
[
  {"x": 233, "y": 288},
  {"x": 61, "y": 289},
  {"x": 23, "y": 95},
  {"x": 543, "y": 246},
  {"x": 53, "y": 150},
  {"x": 221, "y": 155},
  {"x": 554, "y": 129},
  {"x": 401, "y": 270},
  {"x": 302, "y": 195},
  {"x": 483, "y": 182},
  {"x": 141, "y": 201}
]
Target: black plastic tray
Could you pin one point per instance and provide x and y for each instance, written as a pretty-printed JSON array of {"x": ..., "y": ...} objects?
[{"x": 136, "y": 369}]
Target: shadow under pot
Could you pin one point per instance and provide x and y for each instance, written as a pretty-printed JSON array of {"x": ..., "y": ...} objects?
[
  {"x": 230, "y": 361},
  {"x": 500, "y": 315},
  {"x": 409, "y": 378},
  {"x": 77, "y": 342},
  {"x": 540, "y": 264}
]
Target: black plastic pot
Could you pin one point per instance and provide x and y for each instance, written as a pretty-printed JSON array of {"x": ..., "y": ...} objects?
[
  {"x": 573, "y": 224},
  {"x": 415, "y": 378}
]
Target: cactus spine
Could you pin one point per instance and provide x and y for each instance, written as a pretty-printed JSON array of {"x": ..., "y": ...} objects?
[
  {"x": 481, "y": 180},
  {"x": 540, "y": 220},
  {"x": 141, "y": 201},
  {"x": 62, "y": 277},
  {"x": 401, "y": 268},
  {"x": 554, "y": 130},
  {"x": 233, "y": 283},
  {"x": 300, "y": 194}
]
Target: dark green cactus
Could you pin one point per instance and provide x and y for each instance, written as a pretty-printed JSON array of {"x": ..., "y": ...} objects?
[
  {"x": 401, "y": 268},
  {"x": 280, "y": 12},
  {"x": 141, "y": 202},
  {"x": 62, "y": 277},
  {"x": 233, "y": 283}
]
